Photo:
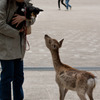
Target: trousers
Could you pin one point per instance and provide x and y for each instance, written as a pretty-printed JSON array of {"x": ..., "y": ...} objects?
[
  {"x": 67, "y": 4},
  {"x": 62, "y": 1},
  {"x": 12, "y": 71}
]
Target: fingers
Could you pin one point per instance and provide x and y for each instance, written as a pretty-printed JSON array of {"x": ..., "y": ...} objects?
[
  {"x": 15, "y": 16},
  {"x": 17, "y": 24},
  {"x": 18, "y": 19},
  {"x": 14, "y": 22}
]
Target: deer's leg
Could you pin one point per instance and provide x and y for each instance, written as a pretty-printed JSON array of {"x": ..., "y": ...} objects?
[
  {"x": 89, "y": 93},
  {"x": 81, "y": 95},
  {"x": 62, "y": 92}
]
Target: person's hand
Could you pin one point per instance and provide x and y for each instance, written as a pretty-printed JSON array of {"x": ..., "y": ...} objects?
[{"x": 18, "y": 19}]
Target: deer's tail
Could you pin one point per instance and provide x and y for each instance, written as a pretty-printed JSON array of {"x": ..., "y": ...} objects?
[{"x": 91, "y": 82}]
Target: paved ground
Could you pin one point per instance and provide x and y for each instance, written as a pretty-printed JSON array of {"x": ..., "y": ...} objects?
[
  {"x": 80, "y": 28},
  {"x": 41, "y": 85}
]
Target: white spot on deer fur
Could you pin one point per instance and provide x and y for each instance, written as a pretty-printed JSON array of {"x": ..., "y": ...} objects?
[{"x": 91, "y": 82}]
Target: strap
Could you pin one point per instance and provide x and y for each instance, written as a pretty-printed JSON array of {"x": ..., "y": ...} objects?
[{"x": 26, "y": 41}]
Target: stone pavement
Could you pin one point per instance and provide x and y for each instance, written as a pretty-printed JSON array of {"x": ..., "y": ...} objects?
[
  {"x": 80, "y": 29},
  {"x": 41, "y": 85}
]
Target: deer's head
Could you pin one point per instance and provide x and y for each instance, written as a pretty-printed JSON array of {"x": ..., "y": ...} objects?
[{"x": 52, "y": 44}]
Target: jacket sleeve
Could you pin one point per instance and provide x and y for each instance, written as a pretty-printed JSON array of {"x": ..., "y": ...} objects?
[{"x": 6, "y": 29}]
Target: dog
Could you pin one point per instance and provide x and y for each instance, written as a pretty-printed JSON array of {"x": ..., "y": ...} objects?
[{"x": 28, "y": 11}]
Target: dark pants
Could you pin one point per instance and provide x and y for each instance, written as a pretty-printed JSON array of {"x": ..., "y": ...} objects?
[
  {"x": 12, "y": 71},
  {"x": 62, "y": 1}
]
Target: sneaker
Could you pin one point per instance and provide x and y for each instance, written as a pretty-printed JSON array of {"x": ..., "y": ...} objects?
[{"x": 70, "y": 7}]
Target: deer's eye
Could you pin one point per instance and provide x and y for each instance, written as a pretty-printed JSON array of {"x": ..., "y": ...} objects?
[{"x": 54, "y": 46}]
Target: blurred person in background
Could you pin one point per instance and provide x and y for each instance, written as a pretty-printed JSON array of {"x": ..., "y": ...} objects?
[
  {"x": 62, "y": 1},
  {"x": 67, "y": 4}
]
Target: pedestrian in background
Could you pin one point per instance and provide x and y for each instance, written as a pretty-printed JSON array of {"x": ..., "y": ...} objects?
[
  {"x": 62, "y": 2},
  {"x": 67, "y": 4}
]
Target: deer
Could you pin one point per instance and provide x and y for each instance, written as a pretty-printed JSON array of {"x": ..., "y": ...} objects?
[{"x": 67, "y": 77}]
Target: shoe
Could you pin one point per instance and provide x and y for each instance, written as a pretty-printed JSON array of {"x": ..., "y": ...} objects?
[{"x": 71, "y": 8}]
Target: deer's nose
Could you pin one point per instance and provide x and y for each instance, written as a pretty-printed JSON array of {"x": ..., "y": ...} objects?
[{"x": 46, "y": 35}]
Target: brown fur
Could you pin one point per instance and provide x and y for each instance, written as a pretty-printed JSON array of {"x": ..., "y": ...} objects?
[{"x": 69, "y": 78}]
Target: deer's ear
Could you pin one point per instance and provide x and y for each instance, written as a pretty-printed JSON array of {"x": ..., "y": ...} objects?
[{"x": 60, "y": 43}]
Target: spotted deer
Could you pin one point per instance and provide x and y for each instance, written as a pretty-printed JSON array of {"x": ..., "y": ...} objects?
[{"x": 69, "y": 78}]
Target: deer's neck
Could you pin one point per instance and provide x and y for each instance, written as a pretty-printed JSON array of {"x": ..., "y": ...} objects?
[{"x": 56, "y": 59}]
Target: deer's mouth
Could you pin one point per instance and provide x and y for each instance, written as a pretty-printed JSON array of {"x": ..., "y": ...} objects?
[{"x": 46, "y": 36}]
